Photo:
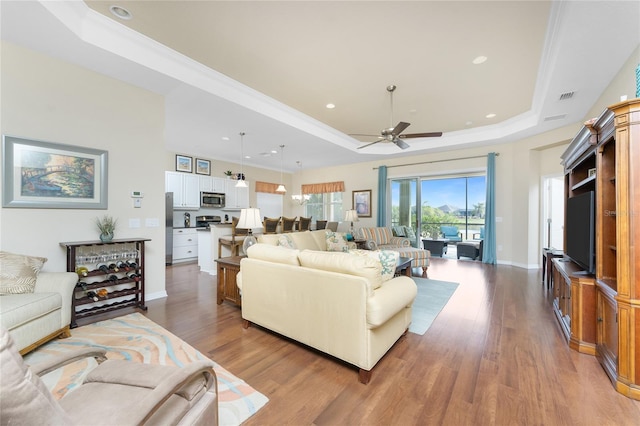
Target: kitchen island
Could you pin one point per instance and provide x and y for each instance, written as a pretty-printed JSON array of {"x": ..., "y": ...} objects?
[{"x": 208, "y": 246}]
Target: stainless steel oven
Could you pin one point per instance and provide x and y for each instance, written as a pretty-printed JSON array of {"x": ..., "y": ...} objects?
[{"x": 211, "y": 199}]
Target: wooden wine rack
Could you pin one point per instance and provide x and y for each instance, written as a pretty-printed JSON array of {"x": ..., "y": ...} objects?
[{"x": 123, "y": 292}]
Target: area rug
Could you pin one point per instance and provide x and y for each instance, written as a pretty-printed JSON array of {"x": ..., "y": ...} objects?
[
  {"x": 432, "y": 296},
  {"x": 136, "y": 338}
]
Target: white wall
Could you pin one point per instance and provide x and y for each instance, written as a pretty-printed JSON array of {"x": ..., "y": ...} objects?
[{"x": 50, "y": 100}]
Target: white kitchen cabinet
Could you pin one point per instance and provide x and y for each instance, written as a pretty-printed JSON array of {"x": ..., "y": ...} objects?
[
  {"x": 218, "y": 184},
  {"x": 185, "y": 188},
  {"x": 236, "y": 198},
  {"x": 206, "y": 184},
  {"x": 185, "y": 244}
]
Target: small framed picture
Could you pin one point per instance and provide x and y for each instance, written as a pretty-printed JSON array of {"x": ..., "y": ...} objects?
[
  {"x": 592, "y": 172},
  {"x": 203, "y": 167},
  {"x": 362, "y": 202},
  {"x": 184, "y": 164}
]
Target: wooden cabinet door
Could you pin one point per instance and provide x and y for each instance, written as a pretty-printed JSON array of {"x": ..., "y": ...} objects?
[{"x": 607, "y": 332}]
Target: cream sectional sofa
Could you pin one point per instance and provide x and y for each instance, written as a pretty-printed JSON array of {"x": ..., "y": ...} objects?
[
  {"x": 335, "y": 302},
  {"x": 35, "y": 318}
]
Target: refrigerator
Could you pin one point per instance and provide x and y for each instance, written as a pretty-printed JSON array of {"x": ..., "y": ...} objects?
[{"x": 168, "y": 199}]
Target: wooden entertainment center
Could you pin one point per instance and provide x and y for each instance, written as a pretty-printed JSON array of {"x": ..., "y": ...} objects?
[{"x": 600, "y": 313}]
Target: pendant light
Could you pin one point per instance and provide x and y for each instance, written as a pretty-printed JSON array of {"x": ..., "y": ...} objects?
[
  {"x": 241, "y": 183},
  {"x": 281, "y": 187}
]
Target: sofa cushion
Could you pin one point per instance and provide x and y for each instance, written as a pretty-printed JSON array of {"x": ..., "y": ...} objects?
[
  {"x": 344, "y": 263},
  {"x": 275, "y": 254},
  {"x": 271, "y": 239},
  {"x": 388, "y": 260},
  {"x": 19, "y": 309},
  {"x": 380, "y": 235},
  {"x": 336, "y": 241},
  {"x": 18, "y": 272},
  {"x": 306, "y": 241}
]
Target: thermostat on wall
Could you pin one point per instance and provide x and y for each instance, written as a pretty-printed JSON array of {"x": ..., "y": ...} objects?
[{"x": 137, "y": 194}]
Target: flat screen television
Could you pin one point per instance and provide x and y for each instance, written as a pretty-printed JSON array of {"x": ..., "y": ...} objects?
[{"x": 580, "y": 230}]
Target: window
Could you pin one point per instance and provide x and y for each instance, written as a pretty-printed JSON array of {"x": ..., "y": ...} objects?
[{"x": 325, "y": 206}]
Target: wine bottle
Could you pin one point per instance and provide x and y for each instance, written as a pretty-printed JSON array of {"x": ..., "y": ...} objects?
[
  {"x": 92, "y": 295},
  {"x": 82, "y": 271},
  {"x": 102, "y": 292},
  {"x": 113, "y": 267},
  {"x": 123, "y": 265},
  {"x": 104, "y": 268},
  {"x": 133, "y": 265},
  {"x": 134, "y": 276},
  {"x": 113, "y": 278}
]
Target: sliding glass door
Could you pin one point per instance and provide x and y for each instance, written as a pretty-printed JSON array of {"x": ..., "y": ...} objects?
[{"x": 457, "y": 201}]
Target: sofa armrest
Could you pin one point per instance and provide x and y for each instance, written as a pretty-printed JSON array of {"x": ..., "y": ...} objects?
[
  {"x": 394, "y": 295},
  {"x": 400, "y": 241},
  {"x": 371, "y": 245},
  {"x": 58, "y": 282}
]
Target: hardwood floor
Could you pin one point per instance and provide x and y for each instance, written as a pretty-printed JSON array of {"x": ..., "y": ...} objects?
[{"x": 494, "y": 356}]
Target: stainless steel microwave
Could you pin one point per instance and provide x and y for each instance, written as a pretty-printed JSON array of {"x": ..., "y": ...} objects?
[{"x": 211, "y": 199}]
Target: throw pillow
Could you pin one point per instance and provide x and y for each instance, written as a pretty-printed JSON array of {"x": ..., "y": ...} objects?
[
  {"x": 286, "y": 241},
  {"x": 409, "y": 233},
  {"x": 336, "y": 241},
  {"x": 18, "y": 272},
  {"x": 388, "y": 260},
  {"x": 399, "y": 231}
]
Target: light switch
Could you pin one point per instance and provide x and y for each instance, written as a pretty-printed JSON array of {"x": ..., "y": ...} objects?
[
  {"x": 134, "y": 223},
  {"x": 152, "y": 222}
]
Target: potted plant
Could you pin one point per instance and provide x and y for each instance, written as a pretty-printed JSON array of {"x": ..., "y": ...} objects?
[
  {"x": 107, "y": 226},
  {"x": 228, "y": 173}
]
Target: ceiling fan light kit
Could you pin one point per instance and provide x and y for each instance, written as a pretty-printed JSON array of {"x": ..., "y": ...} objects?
[{"x": 393, "y": 134}]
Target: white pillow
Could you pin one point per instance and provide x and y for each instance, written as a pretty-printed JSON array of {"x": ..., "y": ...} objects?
[
  {"x": 285, "y": 241},
  {"x": 336, "y": 241},
  {"x": 18, "y": 272}
]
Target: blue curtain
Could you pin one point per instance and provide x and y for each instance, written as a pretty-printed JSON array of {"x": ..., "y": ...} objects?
[
  {"x": 489, "y": 244},
  {"x": 382, "y": 196}
]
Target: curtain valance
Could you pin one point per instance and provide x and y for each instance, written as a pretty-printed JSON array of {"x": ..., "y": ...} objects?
[
  {"x": 323, "y": 188},
  {"x": 268, "y": 187}
]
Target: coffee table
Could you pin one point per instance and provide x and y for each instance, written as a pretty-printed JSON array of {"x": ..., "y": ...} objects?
[
  {"x": 437, "y": 247},
  {"x": 404, "y": 266}
]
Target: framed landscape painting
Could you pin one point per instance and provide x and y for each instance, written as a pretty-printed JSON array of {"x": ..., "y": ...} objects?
[
  {"x": 362, "y": 202},
  {"x": 203, "y": 167},
  {"x": 184, "y": 164},
  {"x": 49, "y": 175}
]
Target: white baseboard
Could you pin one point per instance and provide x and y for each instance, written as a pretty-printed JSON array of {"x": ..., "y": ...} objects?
[{"x": 156, "y": 295}]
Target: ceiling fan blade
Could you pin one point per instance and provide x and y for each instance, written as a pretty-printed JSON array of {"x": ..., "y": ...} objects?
[
  {"x": 400, "y": 143},
  {"x": 362, "y": 134},
  {"x": 421, "y": 135},
  {"x": 369, "y": 144},
  {"x": 399, "y": 128}
]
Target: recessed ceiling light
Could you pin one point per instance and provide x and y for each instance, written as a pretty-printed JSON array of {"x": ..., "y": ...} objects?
[
  {"x": 479, "y": 60},
  {"x": 273, "y": 151},
  {"x": 225, "y": 138},
  {"x": 490, "y": 115},
  {"x": 247, "y": 156},
  {"x": 121, "y": 12},
  {"x": 330, "y": 106}
]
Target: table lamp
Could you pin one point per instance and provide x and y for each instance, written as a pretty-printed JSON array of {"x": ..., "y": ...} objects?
[
  {"x": 249, "y": 219},
  {"x": 351, "y": 216}
]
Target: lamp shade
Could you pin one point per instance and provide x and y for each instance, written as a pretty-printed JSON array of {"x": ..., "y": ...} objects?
[
  {"x": 249, "y": 219},
  {"x": 241, "y": 184},
  {"x": 351, "y": 216},
  {"x": 281, "y": 188}
]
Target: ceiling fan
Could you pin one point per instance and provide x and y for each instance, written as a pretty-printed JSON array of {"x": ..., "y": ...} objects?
[{"x": 393, "y": 134}]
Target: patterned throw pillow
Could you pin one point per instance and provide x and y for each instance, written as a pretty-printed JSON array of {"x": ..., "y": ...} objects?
[
  {"x": 399, "y": 231},
  {"x": 409, "y": 233},
  {"x": 387, "y": 258},
  {"x": 285, "y": 241},
  {"x": 336, "y": 241},
  {"x": 18, "y": 272}
]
